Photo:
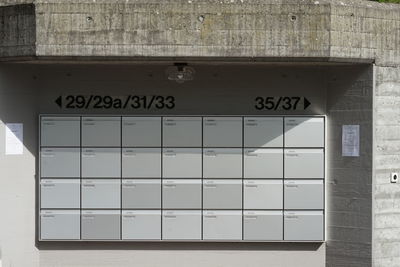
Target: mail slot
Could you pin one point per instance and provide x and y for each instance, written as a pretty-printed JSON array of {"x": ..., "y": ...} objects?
[
  {"x": 263, "y": 163},
  {"x": 101, "y": 193},
  {"x": 59, "y": 224},
  {"x": 141, "y": 193},
  {"x": 182, "y": 163},
  {"x": 141, "y": 162},
  {"x": 304, "y": 163},
  {"x": 141, "y": 224},
  {"x": 141, "y": 131},
  {"x": 60, "y": 131},
  {"x": 101, "y": 162},
  {"x": 222, "y": 225},
  {"x": 101, "y": 224},
  {"x": 181, "y": 225},
  {"x": 222, "y": 194},
  {"x": 222, "y": 163},
  {"x": 60, "y": 162},
  {"x": 304, "y": 225},
  {"x": 182, "y": 131},
  {"x": 181, "y": 194},
  {"x": 60, "y": 193},
  {"x": 304, "y": 132},
  {"x": 222, "y": 131},
  {"x": 263, "y": 225},
  {"x": 304, "y": 194},
  {"x": 263, "y": 132},
  {"x": 263, "y": 194},
  {"x": 101, "y": 131}
]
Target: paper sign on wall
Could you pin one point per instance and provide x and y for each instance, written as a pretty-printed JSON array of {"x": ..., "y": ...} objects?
[
  {"x": 14, "y": 139},
  {"x": 351, "y": 141}
]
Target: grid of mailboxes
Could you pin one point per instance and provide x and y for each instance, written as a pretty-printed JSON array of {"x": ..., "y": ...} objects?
[{"x": 182, "y": 178}]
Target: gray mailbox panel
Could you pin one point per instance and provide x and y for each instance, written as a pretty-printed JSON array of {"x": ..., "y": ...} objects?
[
  {"x": 222, "y": 194},
  {"x": 182, "y": 194},
  {"x": 101, "y": 162},
  {"x": 59, "y": 224},
  {"x": 182, "y": 162},
  {"x": 101, "y": 224},
  {"x": 222, "y": 225},
  {"x": 141, "y": 193},
  {"x": 182, "y": 131},
  {"x": 222, "y": 132},
  {"x": 222, "y": 163},
  {"x": 304, "y": 225},
  {"x": 304, "y": 163},
  {"x": 263, "y": 163},
  {"x": 101, "y": 131},
  {"x": 60, "y": 162},
  {"x": 263, "y": 194},
  {"x": 141, "y": 131},
  {"x": 141, "y": 162},
  {"x": 101, "y": 193},
  {"x": 60, "y": 131},
  {"x": 304, "y": 132},
  {"x": 263, "y": 132},
  {"x": 181, "y": 225},
  {"x": 263, "y": 225},
  {"x": 304, "y": 194},
  {"x": 60, "y": 193},
  {"x": 141, "y": 225}
]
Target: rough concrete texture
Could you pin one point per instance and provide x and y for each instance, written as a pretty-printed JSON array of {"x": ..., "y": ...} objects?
[
  {"x": 15, "y": 2},
  {"x": 326, "y": 29},
  {"x": 17, "y": 31},
  {"x": 386, "y": 238}
]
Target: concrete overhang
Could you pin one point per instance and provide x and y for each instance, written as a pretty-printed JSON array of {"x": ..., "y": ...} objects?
[{"x": 356, "y": 31}]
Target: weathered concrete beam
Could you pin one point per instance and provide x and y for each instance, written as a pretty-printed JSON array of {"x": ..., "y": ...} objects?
[
  {"x": 17, "y": 31},
  {"x": 328, "y": 29}
]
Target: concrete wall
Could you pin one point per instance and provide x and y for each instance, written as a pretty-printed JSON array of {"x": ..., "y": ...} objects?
[
  {"x": 349, "y": 203},
  {"x": 17, "y": 31},
  {"x": 28, "y": 90},
  {"x": 387, "y": 158}
]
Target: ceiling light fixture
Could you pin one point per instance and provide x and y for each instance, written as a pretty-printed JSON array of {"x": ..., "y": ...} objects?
[{"x": 180, "y": 72}]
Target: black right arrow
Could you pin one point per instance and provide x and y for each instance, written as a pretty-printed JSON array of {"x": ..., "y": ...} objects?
[
  {"x": 306, "y": 103},
  {"x": 59, "y": 101}
]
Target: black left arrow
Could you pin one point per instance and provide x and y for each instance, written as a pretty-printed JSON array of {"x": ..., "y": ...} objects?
[{"x": 59, "y": 101}]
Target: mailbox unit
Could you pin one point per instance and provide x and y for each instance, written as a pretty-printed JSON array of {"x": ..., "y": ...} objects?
[{"x": 185, "y": 178}]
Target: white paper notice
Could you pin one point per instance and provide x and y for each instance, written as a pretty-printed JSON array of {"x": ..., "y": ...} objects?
[
  {"x": 14, "y": 138},
  {"x": 351, "y": 141}
]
